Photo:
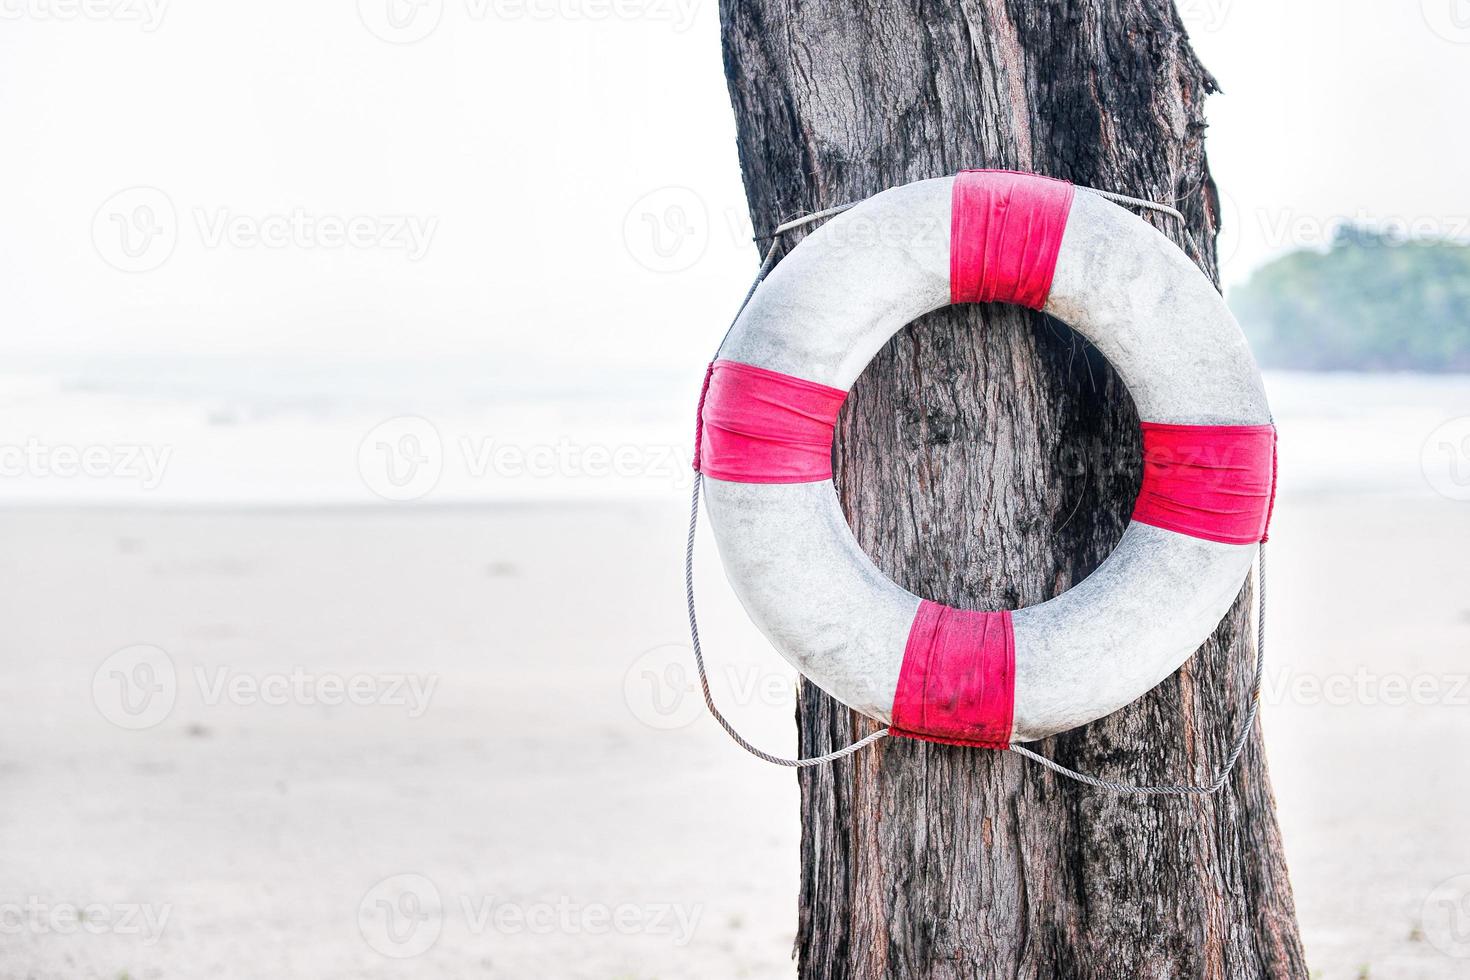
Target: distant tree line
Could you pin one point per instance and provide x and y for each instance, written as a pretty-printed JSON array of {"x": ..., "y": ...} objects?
[{"x": 1373, "y": 301}]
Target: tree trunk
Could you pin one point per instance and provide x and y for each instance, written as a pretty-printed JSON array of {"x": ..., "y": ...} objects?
[{"x": 989, "y": 459}]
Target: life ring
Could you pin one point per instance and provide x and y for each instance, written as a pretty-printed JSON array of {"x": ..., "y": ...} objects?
[{"x": 986, "y": 678}]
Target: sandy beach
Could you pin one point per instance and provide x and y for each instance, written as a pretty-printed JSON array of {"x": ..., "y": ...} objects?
[
  {"x": 529, "y": 782},
  {"x": 352, "y": 366},
  {"x": 443, "y": 741}
]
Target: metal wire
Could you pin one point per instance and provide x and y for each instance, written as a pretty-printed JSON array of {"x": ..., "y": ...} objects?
[
  {"x": 807, "y": 219},
  {"x": 709, "y": 701},
  {"x": 1139, "y": 202},
  {"x": 1221, "y": 778}
]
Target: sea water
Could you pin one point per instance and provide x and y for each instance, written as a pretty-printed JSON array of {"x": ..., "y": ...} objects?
[{"x": 267, "y": 431}]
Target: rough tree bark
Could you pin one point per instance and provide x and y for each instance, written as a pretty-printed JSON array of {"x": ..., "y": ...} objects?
[{"x": 989, "y": 459}]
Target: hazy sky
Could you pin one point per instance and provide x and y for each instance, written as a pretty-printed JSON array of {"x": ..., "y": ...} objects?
[{"x": 528, "y": 179}]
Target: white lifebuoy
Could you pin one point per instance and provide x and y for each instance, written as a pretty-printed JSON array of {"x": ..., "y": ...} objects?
[{"x": 985, "y": 678}]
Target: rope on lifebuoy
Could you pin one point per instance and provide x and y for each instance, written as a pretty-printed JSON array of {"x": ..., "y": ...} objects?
[
  {"x": 1235, "y": 752},
  {"x": 709, "y": 700},
  {"x": 1238, "y": 746}
]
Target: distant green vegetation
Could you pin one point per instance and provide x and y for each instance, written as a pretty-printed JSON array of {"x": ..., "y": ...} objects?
[{"x": 1371, "y": 302}]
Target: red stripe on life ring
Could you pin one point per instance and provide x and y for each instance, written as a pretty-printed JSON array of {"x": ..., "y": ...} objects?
[
  {"x": 760, "y": 426},
  {"x": 957, "y": 684},
  {"x": 1004, "y": 235},
  {"x": 1216, "y": 482}
]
